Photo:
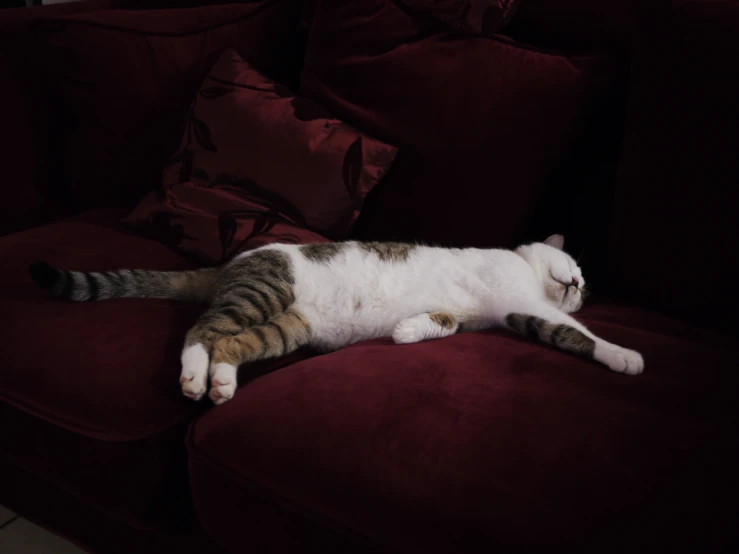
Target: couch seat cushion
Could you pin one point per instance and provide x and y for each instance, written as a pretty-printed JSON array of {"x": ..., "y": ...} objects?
[
  {"x": 485, "y": 440},
  {"x": 89, "y": 393},
  {"x": 107, "y": 370}
]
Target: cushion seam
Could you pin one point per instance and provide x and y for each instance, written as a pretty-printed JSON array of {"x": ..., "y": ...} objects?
[{"x": 35, "y": 411}]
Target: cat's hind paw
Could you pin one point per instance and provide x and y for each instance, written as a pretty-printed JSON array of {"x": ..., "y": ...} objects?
[
  {"x": 194, "y": 376},
  {"x": 222, "y": 383}
]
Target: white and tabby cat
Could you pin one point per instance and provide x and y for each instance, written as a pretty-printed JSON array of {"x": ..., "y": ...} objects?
[{"x": 270, "y": 301}]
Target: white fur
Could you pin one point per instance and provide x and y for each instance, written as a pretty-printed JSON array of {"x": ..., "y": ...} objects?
[
  {"x": 419, "y": 328},
  {"x": 194, "y": 376},
  {"x": 356, "y": 296}
]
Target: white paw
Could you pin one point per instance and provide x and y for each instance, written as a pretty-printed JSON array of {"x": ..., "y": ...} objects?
[
  {"x": 407, "y": 331},
  {"x": 621, "y": 360},
  {"x": 194, "y": 376},
  {"x": 222, "y": 383}
]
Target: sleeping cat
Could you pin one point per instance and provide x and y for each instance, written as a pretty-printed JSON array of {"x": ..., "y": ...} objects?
[{"x": 272, "y": 300}]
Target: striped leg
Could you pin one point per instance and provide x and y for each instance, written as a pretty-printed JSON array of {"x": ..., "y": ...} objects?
[
  {"x": 279, "y": 336},
  {"x": 225, "y": 318},
  {"x": 248, "y": 292},
  {"x": 547, "y": 324}
]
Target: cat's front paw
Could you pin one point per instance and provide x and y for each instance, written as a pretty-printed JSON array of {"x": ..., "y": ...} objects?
[
  {"x": 621, "y": 360},
  {"x": 407, "y": 331}
]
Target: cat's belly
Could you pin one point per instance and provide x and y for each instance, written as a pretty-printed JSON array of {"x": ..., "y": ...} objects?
[{"x": 335, "y": 329}]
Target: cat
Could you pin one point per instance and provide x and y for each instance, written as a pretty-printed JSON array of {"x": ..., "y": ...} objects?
[{"x": 272, "y": 300}]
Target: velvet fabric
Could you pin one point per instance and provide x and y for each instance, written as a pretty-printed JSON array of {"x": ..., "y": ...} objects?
[
  {"x": 229, "y": 188},
  {"x": 148, "y": 64},
  {"x": 99, "y": 380},
  {"x": 46, "y": 505},
  {"x": 92, "y": 336},
  {"x": 675, "y": 230},
  {"x": 469, "y": 16},
  {"x": 576, "y": 25},
  {"x": 486, "y": 441},
  {"x": 422, "y": 448},
  {"x": 25, "y": 111},
  {"x": 481, "y": 122}
]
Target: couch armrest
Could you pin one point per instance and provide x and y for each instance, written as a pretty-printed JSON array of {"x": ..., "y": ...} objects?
[{"x": 675, "y": 233}]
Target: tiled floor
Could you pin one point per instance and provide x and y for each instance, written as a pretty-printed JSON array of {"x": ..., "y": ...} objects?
[{"x": 20, "y": 536}]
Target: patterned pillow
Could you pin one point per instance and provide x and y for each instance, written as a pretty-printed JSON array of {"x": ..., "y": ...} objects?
[{"x": 259, "y": 164}]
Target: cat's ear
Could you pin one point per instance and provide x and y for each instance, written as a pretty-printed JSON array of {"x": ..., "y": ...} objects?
[{"x": 557, "y": 241}]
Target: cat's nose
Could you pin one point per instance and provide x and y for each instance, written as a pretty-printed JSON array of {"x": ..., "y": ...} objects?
[{"x": 575, "y": 282}]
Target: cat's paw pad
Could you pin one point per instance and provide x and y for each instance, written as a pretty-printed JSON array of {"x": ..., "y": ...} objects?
[
  {"x": 194, "y": 376},
  {"x": 406, "y": 332},
  {"x": 621, "y": 360},
  {"x": 193, "y": 387},
  {"x": 221, "y": 392},
  {"x": 222, "y": 383}
]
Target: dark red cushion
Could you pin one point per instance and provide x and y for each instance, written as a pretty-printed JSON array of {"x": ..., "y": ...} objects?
[
  {"x": 485, "y": 441},
  {"x": 257, "y": 164},
  {"x": 675, "y": 232},
  {"x": 61, "y": 513},
  {"x": 89, "y": 393},
  {"x": 470, "y": 16},
  {"x": 27, "y": 117},
  {"x": 109, "y": 369},
  {"x": 126, "y": 78},
  {"x": 481, "y": 122}
]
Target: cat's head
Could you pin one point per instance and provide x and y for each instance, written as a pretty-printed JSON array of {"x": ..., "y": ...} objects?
[{"x": 559, "y": 274}]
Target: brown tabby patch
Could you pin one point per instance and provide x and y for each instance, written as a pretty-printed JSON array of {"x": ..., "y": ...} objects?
[
  {"x": 562, "y": 336},
  {"x": 248, "y": 292},
  {"x": 388, "y": 251},
  {"x": 281, "y": 335},
  {"x": 443, "y": 319},
  {"x": 194, "y": 285},
  {"x": 321, "y": 253},
  {"x": 569, "y": 338}
]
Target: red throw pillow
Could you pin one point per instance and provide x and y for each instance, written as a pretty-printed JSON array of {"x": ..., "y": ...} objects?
[
  {"x": 259, "y": 164},
  {"x": 480, "y": 17},
  {"x": 124, "y": 80},
  {"x": 481, "y": 122}
]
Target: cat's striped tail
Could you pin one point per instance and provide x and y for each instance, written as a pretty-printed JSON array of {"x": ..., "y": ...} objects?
[{"x": 193, "y": 286}]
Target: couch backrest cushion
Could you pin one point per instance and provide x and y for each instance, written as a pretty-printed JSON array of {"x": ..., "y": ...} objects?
[
  {"x": 481, "y": 122},
  {"x": 27, "y": 121},
  {"x": 675, "y": 237},
  {"x": 126, "y": 78}
]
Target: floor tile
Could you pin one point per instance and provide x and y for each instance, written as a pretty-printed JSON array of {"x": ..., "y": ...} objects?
[
  {"x": 23, "y": 537},
  {"x": 5, "y": 515}
]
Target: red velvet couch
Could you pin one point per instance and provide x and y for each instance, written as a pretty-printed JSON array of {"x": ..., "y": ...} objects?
[{"x": 617, "y": 125}]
